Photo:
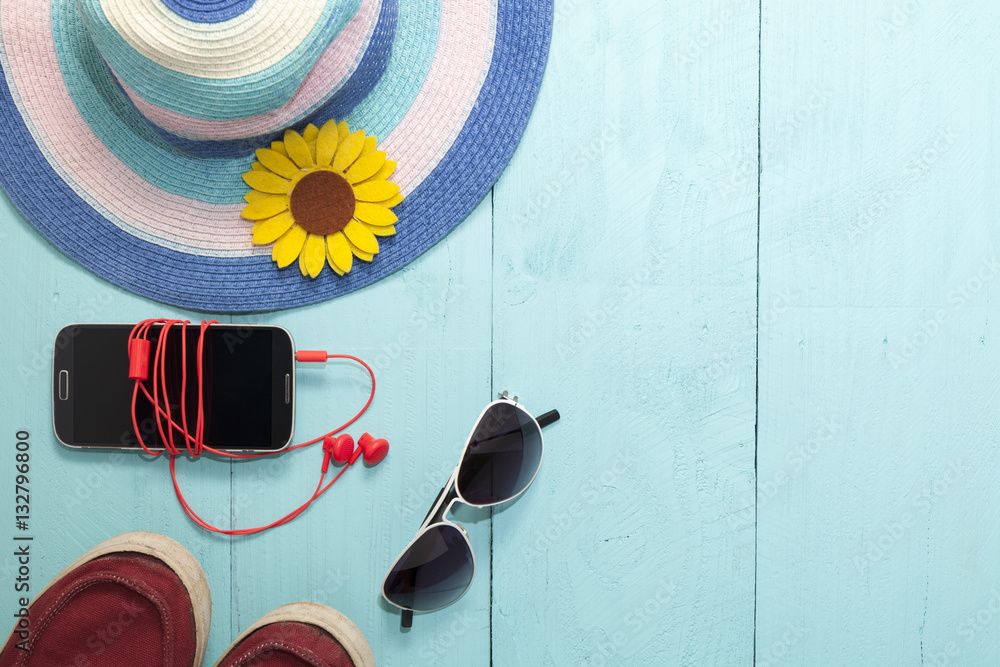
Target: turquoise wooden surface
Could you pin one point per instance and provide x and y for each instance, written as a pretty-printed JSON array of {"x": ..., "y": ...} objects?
[
  {"x": 877, "y": 455},
  {"x": 826, "y": 500}
]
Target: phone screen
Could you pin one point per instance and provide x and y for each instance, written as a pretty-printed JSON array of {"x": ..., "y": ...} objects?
[{"x": 246, "y": 383}]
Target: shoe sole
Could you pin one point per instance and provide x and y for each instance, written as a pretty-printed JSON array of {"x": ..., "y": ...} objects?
[
  {"x": 332, "y": 621},
  {"x": 177, "y": 558}
]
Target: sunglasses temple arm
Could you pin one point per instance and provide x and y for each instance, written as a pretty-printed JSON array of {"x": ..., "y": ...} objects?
[
  {"x": 435, "y": 503},
  {"x": 406, "y": 620},
  {"x": 449, "y": 485},
  {"x": 549, "y": 418}
]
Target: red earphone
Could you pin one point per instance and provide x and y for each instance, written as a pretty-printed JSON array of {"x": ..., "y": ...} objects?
[{"x": 341, "y": 449}]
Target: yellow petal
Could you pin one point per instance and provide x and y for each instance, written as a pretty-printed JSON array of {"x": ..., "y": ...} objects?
[
  {"x": 326, "y": 143},
  {"x": 349, "y": 150},
  {"x": 370, "y": 143},
  {"x": 366, "y": 167},
  {"x": 309, "y": 134},
  {"x": 257, "y": 166},
  {"x": 267, "y": 207},
  {"x": 384, "y": 172},
  {"x": 335, "y": 269},
  {"x": 374, "y": 191},
  {"x": 361, "y": 254},
  {"x": 279, "y": 147},
  {"x": 288, "y": 247},
  {"x": 270, "y": 230},
  {"x": 380, "y": 231},
  {"x": 338, "y": 251},
  {"x": 298, "y": 149},
  {"x": 313, "y": 256},
  {"x": 254, "y": 196},
  {"x": 342, "y": 131},
  {"x": 265, "y": 181},
  {"x": 374, "y": 214},
  {"x": 277, "y": 162},
  {"x": 389, "y": 203},
  {"x": 359, "y": 236}
]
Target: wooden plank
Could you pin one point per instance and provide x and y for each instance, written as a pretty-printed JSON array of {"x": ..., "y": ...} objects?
[
  {"x": 80, "y": 498},
  {"x": 877, "y": 506},
  {"x": 426, "y": 332},
  {"x": 625, "y": 296}
]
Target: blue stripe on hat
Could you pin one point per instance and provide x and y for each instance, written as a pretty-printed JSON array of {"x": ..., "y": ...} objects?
[{"x": 207, "y": 11}]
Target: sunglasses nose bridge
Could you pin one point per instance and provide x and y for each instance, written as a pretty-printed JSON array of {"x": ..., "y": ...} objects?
[
  {"x": 447, "y": 510},
  {"x": 443, "y": 503}
]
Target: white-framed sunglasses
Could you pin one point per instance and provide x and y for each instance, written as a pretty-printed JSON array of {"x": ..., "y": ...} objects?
[{"x": 500, "y": 460}]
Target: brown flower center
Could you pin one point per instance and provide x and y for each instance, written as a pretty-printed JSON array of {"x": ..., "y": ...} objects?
[{"x": 322, "y": 202}]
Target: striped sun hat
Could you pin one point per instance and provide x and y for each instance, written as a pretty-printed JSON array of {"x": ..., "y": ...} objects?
[{"x": 248, "y": 155}]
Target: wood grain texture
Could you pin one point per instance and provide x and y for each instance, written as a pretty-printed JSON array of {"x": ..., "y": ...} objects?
[
  {"x": 624, "y": 295},
  {"x": 877, "y": 506}
]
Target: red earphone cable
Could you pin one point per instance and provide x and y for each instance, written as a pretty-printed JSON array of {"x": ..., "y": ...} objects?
[{"x": 194, "y": 444}]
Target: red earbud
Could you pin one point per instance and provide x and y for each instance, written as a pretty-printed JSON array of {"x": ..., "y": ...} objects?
[
  {"x": 339, "y": 449},
  {"x": 374, "y": 450},
  {"x": 343, "y": 447}
]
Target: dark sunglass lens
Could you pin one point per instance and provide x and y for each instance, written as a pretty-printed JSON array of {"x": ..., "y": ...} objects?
[
  {"x": 502, "y": 456},
  {"x": 434, "y": 572}
]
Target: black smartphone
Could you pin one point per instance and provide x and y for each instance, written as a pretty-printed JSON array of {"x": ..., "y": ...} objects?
[{"x": 248, "y": 382}]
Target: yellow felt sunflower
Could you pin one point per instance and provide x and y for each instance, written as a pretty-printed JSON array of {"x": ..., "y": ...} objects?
[{"x": 322, "y": 196}]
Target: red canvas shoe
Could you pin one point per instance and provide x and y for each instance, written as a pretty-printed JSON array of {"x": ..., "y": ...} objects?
[
  {"x": 136, "y": 600},
  {"x": 301, "y": 634}
]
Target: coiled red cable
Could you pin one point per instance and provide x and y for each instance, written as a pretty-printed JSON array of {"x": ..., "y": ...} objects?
[{"x": 194, "y": 444}]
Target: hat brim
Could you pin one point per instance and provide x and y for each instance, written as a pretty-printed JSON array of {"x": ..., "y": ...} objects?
[{"x": 442, "y": 199}]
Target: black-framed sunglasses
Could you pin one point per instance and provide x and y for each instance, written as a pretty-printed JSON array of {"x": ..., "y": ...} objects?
[{"x": 499, "y": 461}]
